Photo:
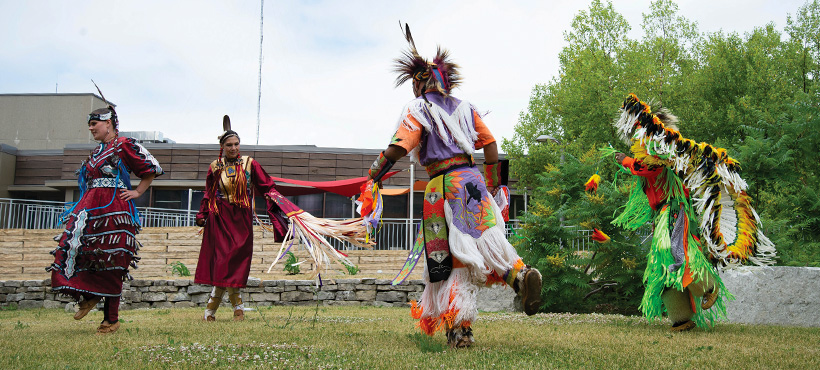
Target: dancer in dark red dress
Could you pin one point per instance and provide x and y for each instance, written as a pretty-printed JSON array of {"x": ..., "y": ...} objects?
[
  {"x": 99, "y": 242},
  {"x": 226, "y": 213}
]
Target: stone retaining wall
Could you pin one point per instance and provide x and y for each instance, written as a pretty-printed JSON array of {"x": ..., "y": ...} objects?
[
  {"x": 184, "y": 293},
  {"x": 24, "y": 254}
]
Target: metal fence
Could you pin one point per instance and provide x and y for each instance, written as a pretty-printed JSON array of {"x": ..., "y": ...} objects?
[{"x": 393, "y": 234}]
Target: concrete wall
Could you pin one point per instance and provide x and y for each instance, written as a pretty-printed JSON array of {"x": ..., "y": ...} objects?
[
  {"x": 46, "y": 121},
  {"x": 777, "y": 295}
]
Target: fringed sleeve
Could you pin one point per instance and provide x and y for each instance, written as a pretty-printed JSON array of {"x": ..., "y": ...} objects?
[{"x": 137, "y": 158}]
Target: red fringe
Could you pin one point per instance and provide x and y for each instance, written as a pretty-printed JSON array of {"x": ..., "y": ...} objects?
[{"x": 240, "y": 192}]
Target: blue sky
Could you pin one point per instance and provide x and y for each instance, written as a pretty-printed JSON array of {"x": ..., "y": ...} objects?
[{"x": 178, "y": 66}]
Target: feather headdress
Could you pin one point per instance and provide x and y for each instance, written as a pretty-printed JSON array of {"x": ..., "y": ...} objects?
[
  {"x": 730, "y": 226},
  {"x": 440, "y": 74},
  {"x": 101, "y": 115},
  {"x": 226, "y": 130}
]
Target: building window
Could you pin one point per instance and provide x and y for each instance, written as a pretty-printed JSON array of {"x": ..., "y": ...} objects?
[
  {"x": 338, "y": 206},
  {"x": 171, "y": 199},
  {"x": 311, "y": 203},
  {"x": 395, "y": 206}
]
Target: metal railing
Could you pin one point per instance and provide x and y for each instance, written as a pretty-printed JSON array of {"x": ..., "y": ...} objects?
[{"x": 393, "y": 234}]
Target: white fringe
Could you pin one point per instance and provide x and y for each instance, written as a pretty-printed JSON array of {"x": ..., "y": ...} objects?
[
  {"x": 435, "y": 300},
  {"x": 458, "y": 125},
  {"x": 490, "y": 252},
  {"x": 311, "y": 232}
]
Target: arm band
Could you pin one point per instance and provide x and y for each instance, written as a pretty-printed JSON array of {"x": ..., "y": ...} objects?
[
  {"x": 491, "y": 175},
  {"x": 380, "y": 167}
]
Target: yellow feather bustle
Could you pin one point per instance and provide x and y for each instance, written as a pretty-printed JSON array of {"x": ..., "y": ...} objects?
[{"x": 729, "y": 224}]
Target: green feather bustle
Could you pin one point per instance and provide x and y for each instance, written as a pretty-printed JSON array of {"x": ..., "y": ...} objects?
[{"x": 657, "y": 276}]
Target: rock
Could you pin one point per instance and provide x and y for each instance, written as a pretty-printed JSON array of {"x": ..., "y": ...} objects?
[
  {"x": 70, "y": 307},
  {"x": 366, "y": 295},
  {"x": 37, "y": 296},
  {"x": 27, "y": 303},
  {"x": 154, "y": 297},
  {"x": 349, "y": 281},
  {"x": 391, "y": 296},
  {"x": 15, "y": 297},
  {"x": 254, "y": 282},
  {"x": 162, "y": 304},
  {"x": 295, "y": 296},
  {"x": 179, "y": 297},
  {"x": 274, "y": 289},
  {"x": 200, "y": 298},
  {"x": 265, "y": 297},
  {"x": 182, "y": 282},
  {"x": 382, "y": 304},
  {"x": 197, "y": 288},
  {"x": 778, "y": 295},
  {"x": 138, "y": 283},
  {"x": 184, "y": 305},
  {"x": 164, "y": 289},
  {"x": 346, "y": 295},
  {"x": 52, "y": 304},
  {"x": 495, "y": 298},
  {"x": 298, "y": 282}
]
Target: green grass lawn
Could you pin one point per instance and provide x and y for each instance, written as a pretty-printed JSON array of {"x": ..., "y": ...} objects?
[{"x": 386, "y": 338}]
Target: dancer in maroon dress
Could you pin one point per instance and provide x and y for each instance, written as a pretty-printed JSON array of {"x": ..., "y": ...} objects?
[
  {"x": 99, "y": 242},
  {"x": 226, "y": 213}
]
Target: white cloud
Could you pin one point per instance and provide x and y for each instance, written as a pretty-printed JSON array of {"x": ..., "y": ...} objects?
[{"x": 178, "y": 66}]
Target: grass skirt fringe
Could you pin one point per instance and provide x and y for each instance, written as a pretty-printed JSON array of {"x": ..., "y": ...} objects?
[{"x": 657, "y": 276}]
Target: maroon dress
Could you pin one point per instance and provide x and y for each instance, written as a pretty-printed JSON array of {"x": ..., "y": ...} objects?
[
  {"x": 99, "y": 242},
  {"x": 227, "y": 239}
]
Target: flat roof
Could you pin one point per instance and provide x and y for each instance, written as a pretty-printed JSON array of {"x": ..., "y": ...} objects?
[{"x": 57, "y": 94}]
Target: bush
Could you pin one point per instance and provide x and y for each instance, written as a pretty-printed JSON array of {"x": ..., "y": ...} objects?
[{"x": 291, "y": 266}]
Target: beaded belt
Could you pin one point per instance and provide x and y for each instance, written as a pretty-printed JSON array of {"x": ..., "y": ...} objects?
[
  {"x": 441, "y": 167},
  {"x": 106, "y": 183}
]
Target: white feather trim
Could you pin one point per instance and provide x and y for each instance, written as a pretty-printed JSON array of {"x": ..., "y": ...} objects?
[
  {"x": 459, "y": 124},
  {"x": 728, "y": 217},
  {"x": 435, "y": 300}
]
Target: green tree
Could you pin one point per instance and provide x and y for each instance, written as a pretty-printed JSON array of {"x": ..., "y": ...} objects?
[{"x": 755, "y": 94}]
